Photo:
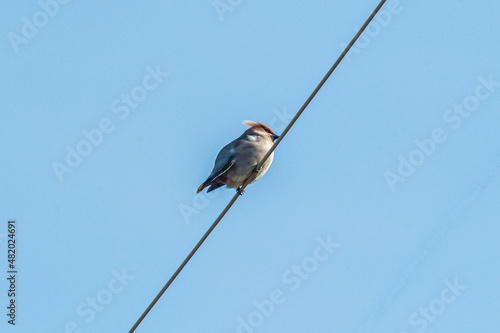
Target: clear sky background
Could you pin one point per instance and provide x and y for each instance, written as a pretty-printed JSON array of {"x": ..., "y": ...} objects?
[{"x": 379, "y": 214}]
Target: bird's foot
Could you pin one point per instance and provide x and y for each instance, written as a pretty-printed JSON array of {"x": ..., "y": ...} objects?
[{"x": 240, "y": 191}]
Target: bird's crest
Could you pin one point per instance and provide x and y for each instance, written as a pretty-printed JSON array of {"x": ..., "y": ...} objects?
[{"x": 250, "y": 124}]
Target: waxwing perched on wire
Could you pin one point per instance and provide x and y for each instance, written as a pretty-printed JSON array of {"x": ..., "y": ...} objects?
[{"x": 237, "y": 160}]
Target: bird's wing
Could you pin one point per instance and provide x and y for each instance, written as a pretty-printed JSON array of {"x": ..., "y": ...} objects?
[
  {"x": 214, "y": 175},
  {"x": 217, "y": 173},
  {"x": 224, "y": 161}
]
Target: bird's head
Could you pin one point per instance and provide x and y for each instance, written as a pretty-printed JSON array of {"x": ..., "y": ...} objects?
[{"x": 260, "y": 129}]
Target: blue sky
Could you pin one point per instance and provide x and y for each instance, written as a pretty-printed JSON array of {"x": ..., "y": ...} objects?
[{"x": 379, "y": 213}]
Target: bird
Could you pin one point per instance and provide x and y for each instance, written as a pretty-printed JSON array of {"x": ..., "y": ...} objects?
[{"x": 238, "y": 159}]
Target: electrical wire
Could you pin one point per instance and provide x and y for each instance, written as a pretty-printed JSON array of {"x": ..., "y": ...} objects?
[{"x": 241, "y": 189}]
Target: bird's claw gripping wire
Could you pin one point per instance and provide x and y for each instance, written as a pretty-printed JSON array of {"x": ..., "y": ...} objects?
[{"x": 239, "y": 189}]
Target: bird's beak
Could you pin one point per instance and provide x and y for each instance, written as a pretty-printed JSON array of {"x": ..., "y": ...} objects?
[{"x": 274, "y": 137}]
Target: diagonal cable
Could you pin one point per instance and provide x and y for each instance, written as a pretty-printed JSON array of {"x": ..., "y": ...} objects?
[{"x": 245, "y": 184}]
